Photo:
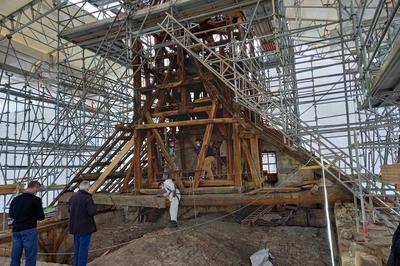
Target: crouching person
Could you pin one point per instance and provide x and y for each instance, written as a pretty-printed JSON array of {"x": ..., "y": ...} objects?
[
  {"x": 81, "y": 222},
  {"x": 169, "y": 189}
]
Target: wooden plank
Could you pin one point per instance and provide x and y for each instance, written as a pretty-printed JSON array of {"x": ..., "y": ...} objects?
[
  {"x": 237, "y": 164},
  {"x": 199, "y": 109},
  {"x": 229, "y": 153},
  {"x": 256, "y": 155},
  {"x": 58, "y": 241},
  {"x": 280, "y": 189},
  {"x": 11, "y": 188},
  {"x": 111, "y": 167},
  {"x": 150, "y": 158},
  {"x": 136, "y": 161},
  {"x": 129, "y": 173},
  {"x": 335, "y": 193},
  {"x": 203, "y": 183},
  {"x": 300, "y": 197},
  {"x": 216, "y": 183},
  {"x": 182, "y": 151},
  {"x": 197, "y": 122},
  {"x": 190, "y": 191},
  {"x": 253, "y": 168},
  {"x": 124, "y": 200},
  {"x": 206, "y": 142},
  {"x": 95, "y": 176},
  {"x": 303, "y": 183}
]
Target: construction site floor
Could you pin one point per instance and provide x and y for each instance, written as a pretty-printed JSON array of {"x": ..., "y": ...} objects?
[{"x": 206, "y": 241}]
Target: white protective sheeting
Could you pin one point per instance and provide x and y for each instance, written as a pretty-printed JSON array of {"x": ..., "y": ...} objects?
[{"x": 261, "y": 258}]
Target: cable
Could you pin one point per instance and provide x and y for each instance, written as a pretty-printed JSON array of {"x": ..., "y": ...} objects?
[
  {"x": 328, "y": 220},
  {"x": 191, "y": 178}
]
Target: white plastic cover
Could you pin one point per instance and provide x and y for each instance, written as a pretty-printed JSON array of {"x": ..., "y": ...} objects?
[{"x": 261, "y": 258}]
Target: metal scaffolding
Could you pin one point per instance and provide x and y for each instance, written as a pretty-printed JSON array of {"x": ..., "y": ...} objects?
[{"x": 309, "y": 76}]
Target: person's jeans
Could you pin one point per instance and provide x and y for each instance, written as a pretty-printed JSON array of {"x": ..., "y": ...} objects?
[
  {"x": 27, "y": 240},
  {"x": 81, "y": 249}
]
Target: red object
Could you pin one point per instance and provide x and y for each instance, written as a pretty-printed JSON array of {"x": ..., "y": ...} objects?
[
  {"x": 365, "y": 230},
  {"x": 268, "y": 45}
]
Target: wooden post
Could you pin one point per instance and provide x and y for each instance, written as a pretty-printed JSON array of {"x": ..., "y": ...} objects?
[
  {"x": 237, "y": 163},
  {"x": 229, "y": 153},
  {"x": 255, "y": 153},
  {"x": 206, "y": 141},
  {"x": 182, "y": 153},
  {"x": 150, "y": 158},
  {"x": 136, "y": 159},
  {"x": 251, "y": 163}
]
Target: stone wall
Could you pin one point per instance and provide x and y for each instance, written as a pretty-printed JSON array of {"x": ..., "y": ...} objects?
[{"x": 287, "y": 166}]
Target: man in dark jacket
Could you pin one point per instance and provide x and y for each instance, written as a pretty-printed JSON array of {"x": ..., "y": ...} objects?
[
  {"x": 25, "y": 210},
  {"x": 81, "y": 222},
  {"x": 394, "y": 258}
]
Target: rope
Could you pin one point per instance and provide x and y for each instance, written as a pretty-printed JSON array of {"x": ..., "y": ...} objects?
[
  {"x": 165, "y": 234},
  {"x": 194, "y": 198}
]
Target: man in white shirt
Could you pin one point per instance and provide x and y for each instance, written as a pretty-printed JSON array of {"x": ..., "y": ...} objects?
[{"x": 170, "y": 190}]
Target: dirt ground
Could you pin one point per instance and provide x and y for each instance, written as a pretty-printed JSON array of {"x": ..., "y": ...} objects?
[
  {"x": 209, "y": 242},
  {"x": 6, "y": 261},
  {"x": 206, "y": 240}
]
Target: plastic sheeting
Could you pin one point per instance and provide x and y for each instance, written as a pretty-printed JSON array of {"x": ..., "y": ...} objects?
[{"x": 261, "y": 258}]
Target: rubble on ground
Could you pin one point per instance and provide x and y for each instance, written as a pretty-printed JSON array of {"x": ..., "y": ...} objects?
[{"x": 209, "y": 242}]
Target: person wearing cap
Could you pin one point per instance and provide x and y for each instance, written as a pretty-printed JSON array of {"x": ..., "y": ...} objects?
[
  {"x": 25, "y": 210},
  {"x": 208, "y": 161},
  {"x": 81, "y": 222},
  {"x": 170, "y": 190}
]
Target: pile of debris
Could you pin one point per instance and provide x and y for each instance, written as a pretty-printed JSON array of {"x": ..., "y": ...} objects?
[{"x": 206, "y": 241}]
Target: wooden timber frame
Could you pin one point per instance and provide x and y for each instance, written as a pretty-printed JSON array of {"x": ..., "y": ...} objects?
[{"x": 178, "y": 100}]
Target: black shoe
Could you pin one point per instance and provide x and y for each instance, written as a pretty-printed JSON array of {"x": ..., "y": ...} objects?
[{"x": 173, "y": 224}]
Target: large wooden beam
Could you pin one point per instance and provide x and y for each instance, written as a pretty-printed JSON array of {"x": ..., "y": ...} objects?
[
  {"x": 11, "y": 188},
  {"x": 233, "y": 199},
  {"x": 131, "y": 200},
  {"x": 131, "y": 168},
  {"x": 190, "y": 191},
  {"x": 197, "y": 122},
  {"x": 203, "y": 183},
  {"x": 150, "y": 158},
  {"x": 302, "y": 197},
  {"x": 194, "y": 110},
  {"x": 237, "y": 162},
  {"x": 206, "y": 142},
  {"x": 136, "y": 161},
  {"x": 256, "y": 178}
]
